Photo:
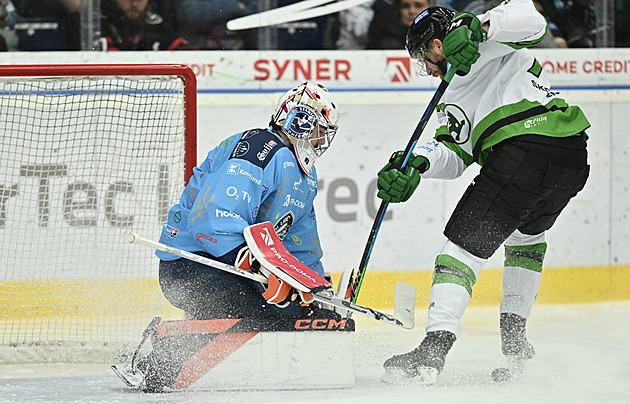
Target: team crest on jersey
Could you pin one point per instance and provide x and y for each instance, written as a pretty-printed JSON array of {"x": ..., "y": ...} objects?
[
  {"x": 459, "y": 125},
  {"x": 241, "y": 149},
  {"x": 283, "y": 225}
]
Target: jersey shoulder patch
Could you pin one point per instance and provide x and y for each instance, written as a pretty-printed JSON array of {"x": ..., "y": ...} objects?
[{"x": 258, "y": 146}]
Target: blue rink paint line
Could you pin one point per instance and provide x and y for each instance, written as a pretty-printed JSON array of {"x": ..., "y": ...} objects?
[{"x": 384, "y": 89}]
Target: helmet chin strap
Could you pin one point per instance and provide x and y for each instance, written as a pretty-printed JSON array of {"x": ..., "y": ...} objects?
[{"x": 442, "y": 65}]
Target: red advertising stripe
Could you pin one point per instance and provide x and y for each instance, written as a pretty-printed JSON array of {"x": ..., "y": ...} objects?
[{"x": 209, "y": 356}]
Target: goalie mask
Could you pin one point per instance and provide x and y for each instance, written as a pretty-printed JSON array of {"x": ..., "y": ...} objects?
[{"x": 308, "y": 116}]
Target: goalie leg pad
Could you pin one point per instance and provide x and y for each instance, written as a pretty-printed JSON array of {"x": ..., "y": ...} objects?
[{"x": 186, "y": 352}]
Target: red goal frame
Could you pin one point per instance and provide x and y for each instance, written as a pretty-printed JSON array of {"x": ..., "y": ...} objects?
[{"x": 183, "y": 72}]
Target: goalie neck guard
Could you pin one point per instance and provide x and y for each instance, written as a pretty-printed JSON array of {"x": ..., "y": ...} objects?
[{"x": 307, "y": 115}]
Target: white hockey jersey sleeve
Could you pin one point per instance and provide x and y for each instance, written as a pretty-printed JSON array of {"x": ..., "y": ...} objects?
[
  {"x": 515, "y": 22},
  {"x": 444, "y": 163}
]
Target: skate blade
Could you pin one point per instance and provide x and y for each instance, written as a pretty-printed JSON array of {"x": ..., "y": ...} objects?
[
  {"x": 127, "y": 375},
  {"x": 426, "y": 376},
  {"x": 514, "y": 371}
]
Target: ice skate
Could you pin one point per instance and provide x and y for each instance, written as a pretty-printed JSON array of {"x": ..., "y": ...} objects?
[
  {"x": 515, "y": 347},
  {"x": 132, "y": 378},
  {"x": 423, "y": 364},
  {"x": 513, "y": 339}
]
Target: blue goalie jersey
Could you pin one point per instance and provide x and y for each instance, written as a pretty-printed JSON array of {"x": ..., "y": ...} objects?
[{"x": 251, "y": 177}]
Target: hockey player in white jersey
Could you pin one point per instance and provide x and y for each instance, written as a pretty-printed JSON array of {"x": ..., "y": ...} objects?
[{"x": 499, "y": 112}]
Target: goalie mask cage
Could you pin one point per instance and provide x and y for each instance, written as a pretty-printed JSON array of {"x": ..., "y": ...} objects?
[{"x": 89, "y": 153}]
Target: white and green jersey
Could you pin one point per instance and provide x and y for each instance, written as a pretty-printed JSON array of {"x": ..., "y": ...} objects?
[{"x": 505, "y": 94}]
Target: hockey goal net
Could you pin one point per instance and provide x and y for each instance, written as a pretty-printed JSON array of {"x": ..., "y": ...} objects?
[{"x": 88, "y": 154}]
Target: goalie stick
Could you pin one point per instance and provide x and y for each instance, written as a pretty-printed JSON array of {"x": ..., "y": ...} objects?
[
  {"x": 404, "y": 298},
  {"x": 367, "y": 252}
]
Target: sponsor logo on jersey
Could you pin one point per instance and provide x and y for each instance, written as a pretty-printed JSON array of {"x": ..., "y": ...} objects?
[
  {"x": 171, "y": 231},
  {"x": 200, "y": 237},
  {"x": 288, "y": 201},
  {"x": 267, "y": 147},
  {"x": 233, "y": 168},
  {"x": 296, "y": 240},
  {"x": 288, "y": 164},
  {"x": 545, "y": 89},
  {"x": 233, "y": 192},
  {"x": 283, "y": 225},
  {"x": 227, "y": 213},
  {"x": 539, "y": 120},
  {"x": 241, "y": 149}
]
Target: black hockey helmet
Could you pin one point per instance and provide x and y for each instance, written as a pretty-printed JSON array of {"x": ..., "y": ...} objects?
[{"x": 431, "y": 23}]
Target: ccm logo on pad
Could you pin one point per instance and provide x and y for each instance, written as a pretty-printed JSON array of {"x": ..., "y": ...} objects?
[{"x": 319, "y": 324}]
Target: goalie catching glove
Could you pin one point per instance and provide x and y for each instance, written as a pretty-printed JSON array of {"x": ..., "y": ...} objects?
[
  {"x": 461, "y": 43},
  {"x": 282, "y": 294},
  {"x": 395, "y": 186}
]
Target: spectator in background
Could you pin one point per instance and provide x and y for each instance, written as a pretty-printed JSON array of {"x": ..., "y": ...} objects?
[
  {"x": 388, "y": 29},
  {"x": 140, "y": 25},
  {"x": 354, "y": 24},
  {"x": 622, "y": 23},
  {"x": 573, "y": 20},
  {"x": 8, "y": 39},
  {"x": 65, "y": 12},
  {"x": 202, "y": 22},
  {"x": 479, "y": 7}
]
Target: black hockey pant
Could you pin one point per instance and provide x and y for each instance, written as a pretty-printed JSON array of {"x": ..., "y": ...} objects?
[
  {"x": 524, "y": 184},
  {"x": 209, "y": 293}
]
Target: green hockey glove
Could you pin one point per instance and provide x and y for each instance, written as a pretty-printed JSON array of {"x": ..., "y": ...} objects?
[
  {"x": 395, "y": 186},
  {"x": 461, "y": 43}
]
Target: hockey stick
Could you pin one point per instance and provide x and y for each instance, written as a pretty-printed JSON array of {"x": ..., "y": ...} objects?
[
  {"x": 367, "y": 252},
  {"x": 301, "y": 10},
  {"x": 404, "y": 307}
]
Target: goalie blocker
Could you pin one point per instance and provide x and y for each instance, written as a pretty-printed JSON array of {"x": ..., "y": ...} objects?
[{"x": 227, "y": 354}]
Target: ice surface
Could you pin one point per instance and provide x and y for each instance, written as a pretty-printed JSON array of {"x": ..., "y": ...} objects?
[{"x": 583, "y": 356}]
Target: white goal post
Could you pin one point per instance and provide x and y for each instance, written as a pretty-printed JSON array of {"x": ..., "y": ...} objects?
[{"x": 88, "y": 153}]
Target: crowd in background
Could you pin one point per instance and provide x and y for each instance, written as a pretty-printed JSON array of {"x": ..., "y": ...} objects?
[{"x": 30, "y": 25}]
